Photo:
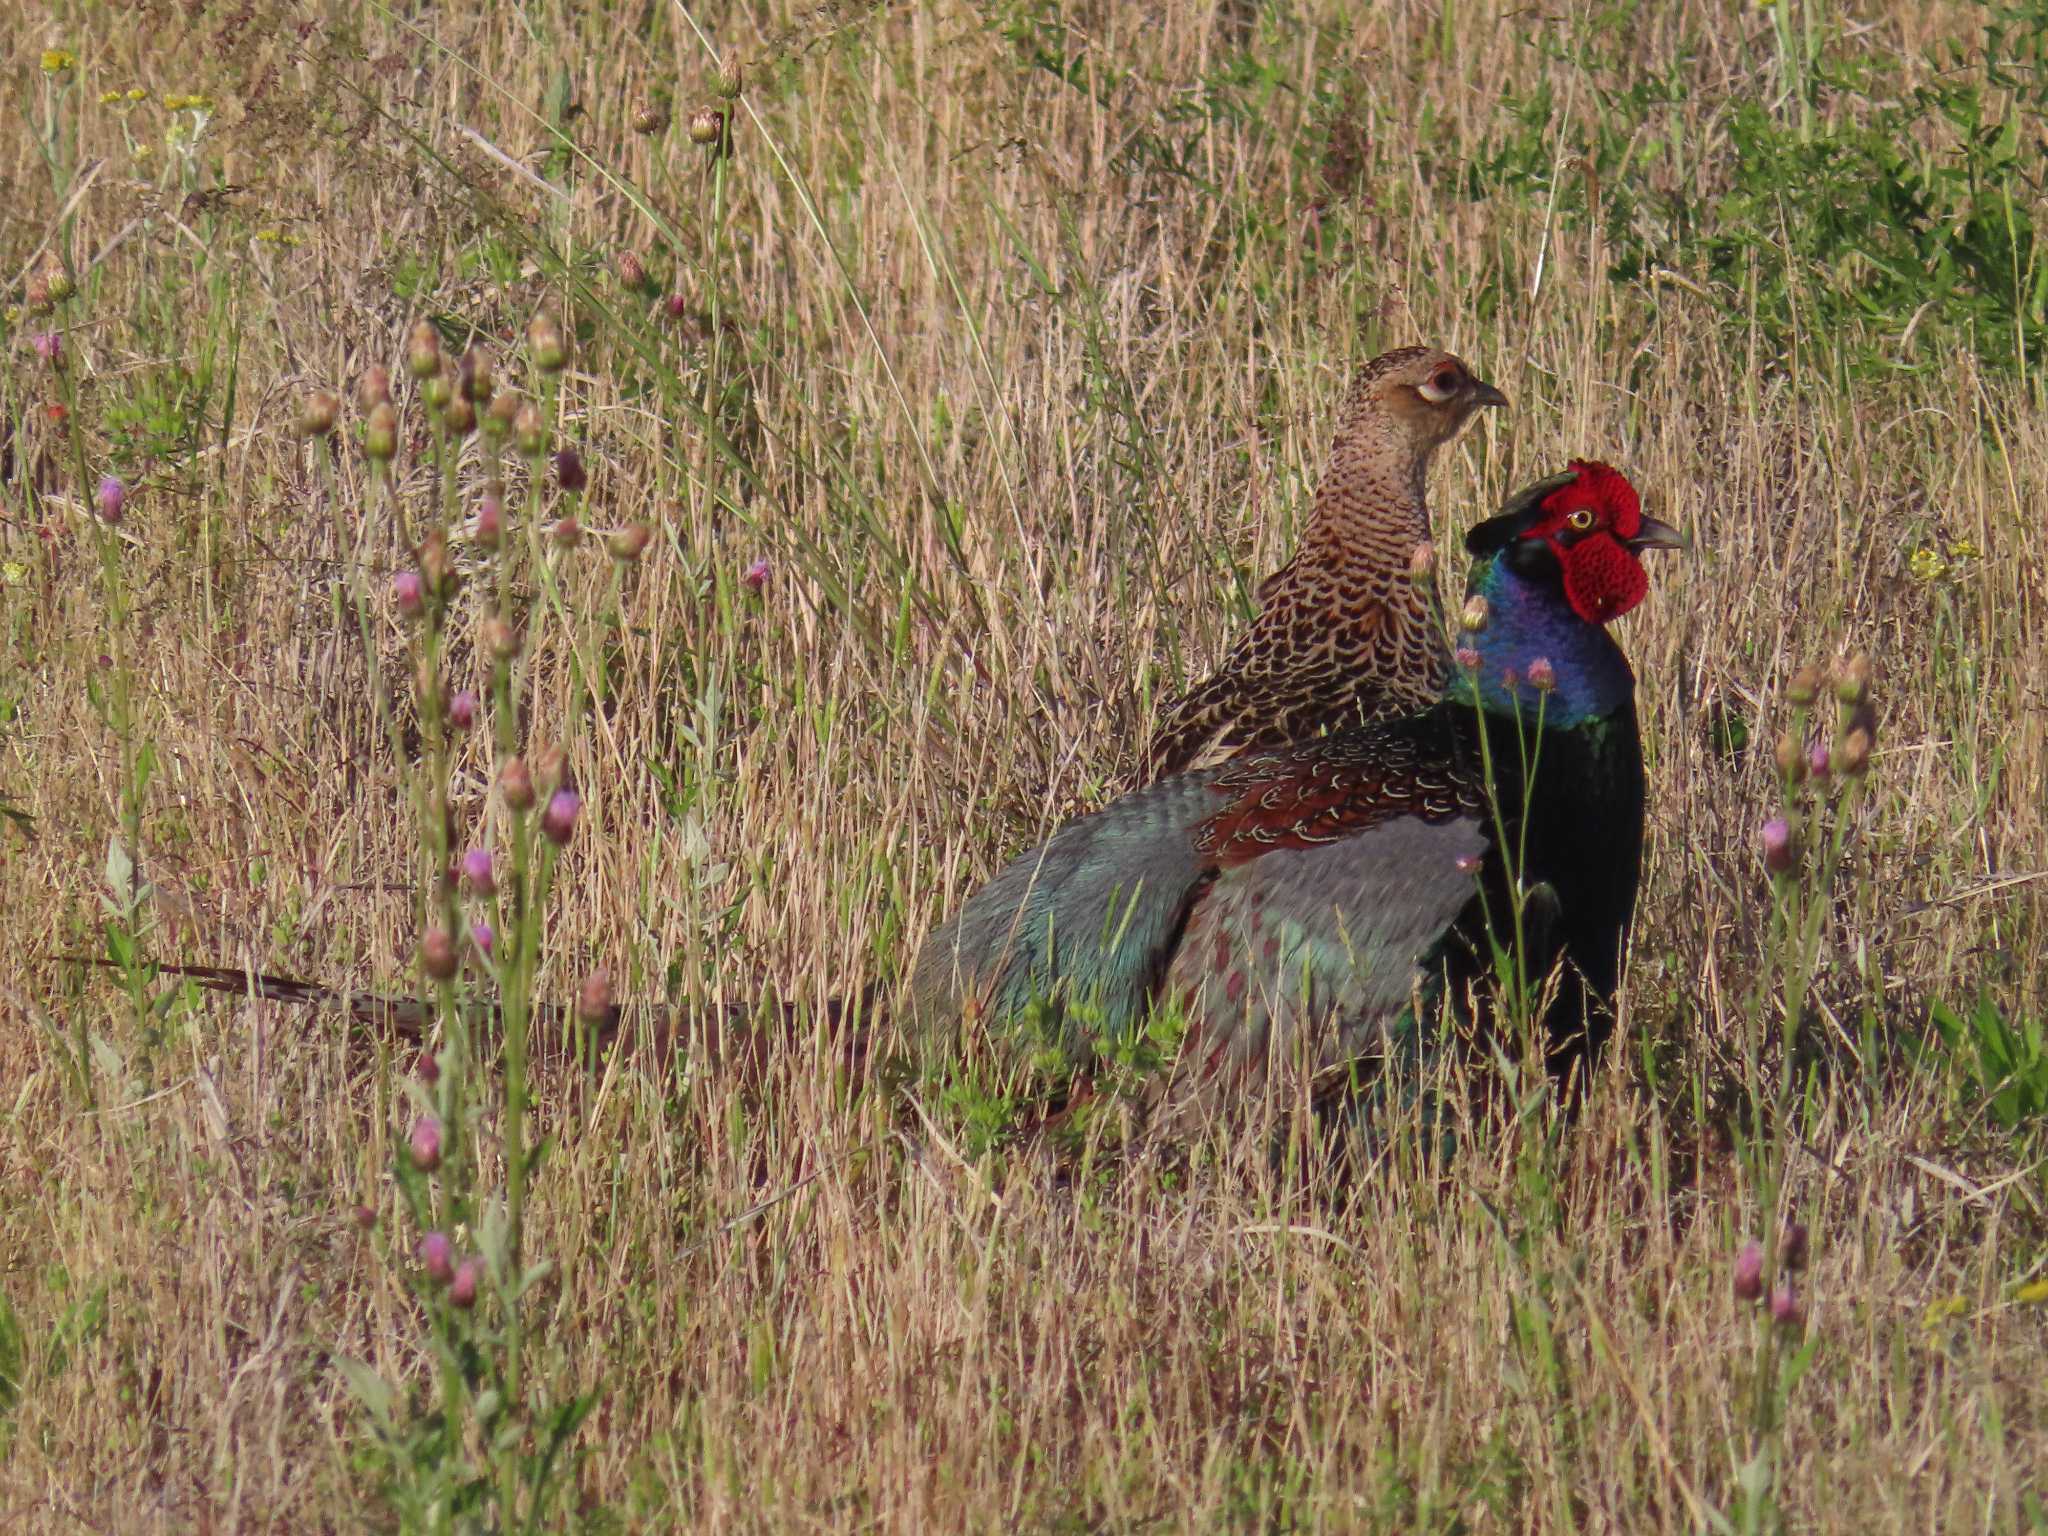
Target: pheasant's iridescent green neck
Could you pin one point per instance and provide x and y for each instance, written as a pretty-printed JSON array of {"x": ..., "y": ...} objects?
[{"x": 1525, "y": 623}]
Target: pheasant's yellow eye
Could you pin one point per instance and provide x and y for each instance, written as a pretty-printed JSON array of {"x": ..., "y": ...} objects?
[{"x": 1581, "y": 520}]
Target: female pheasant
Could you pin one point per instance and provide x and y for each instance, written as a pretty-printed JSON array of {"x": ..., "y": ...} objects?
[
  {"x": 1303, "y": 899},
  {"x": 1347, "y": 630}
]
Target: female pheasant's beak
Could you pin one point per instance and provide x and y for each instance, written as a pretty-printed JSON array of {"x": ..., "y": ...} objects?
[
  {"x": 1484, "y": 393},
  {"x": 1655, "y": 535}
]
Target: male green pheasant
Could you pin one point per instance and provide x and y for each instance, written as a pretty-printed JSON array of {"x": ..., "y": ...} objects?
[
  {"x": 1303, "y": 899},
  {"x": 1347, "y": 630}
]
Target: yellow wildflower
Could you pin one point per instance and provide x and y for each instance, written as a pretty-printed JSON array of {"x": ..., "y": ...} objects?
[
  {"x": 58, "y": 61},
  {"x": 137, "y": 93},
  {"x": 1927, "y": 564},
  {"x": 1964, "y": 549},
  {"x": 111, "y": 98},
  {"x": 2034, "y": 1293},
  {"x": 1947, "y": 1310}
]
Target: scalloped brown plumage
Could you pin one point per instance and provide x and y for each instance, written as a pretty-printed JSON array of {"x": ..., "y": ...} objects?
[{"x": 1347, "y": 630}]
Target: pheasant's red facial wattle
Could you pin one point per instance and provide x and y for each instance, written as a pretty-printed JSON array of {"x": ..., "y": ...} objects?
[{"x": 1585, "y": 525}]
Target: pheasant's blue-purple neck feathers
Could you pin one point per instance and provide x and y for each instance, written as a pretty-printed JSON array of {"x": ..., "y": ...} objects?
[{"x": 1528, "y": 622}]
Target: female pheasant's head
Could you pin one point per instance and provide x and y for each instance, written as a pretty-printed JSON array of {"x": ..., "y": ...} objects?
[{"x": 1583, "y": 528}]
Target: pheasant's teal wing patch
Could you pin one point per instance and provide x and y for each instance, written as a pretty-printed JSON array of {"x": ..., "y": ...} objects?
[{"x": 1083, "y": 925}]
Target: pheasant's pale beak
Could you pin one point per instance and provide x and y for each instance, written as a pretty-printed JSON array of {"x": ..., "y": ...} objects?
[
  {"x": 1484, "y": 393},
  {"x": 1655, "y": 535}
]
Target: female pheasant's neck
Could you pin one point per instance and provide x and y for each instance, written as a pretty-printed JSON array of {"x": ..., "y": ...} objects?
[
  {"x": 1527, "y": 622},
  {"x": 1370, "y": 508}
]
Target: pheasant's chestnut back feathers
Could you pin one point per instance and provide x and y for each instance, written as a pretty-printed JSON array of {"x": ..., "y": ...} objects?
[{"x": 1347, "y": 630}]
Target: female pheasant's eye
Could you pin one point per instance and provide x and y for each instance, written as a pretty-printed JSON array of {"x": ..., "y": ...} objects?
[
  {"x": 1581, "y": 520},
  {"x": 1442, "y": 384}
]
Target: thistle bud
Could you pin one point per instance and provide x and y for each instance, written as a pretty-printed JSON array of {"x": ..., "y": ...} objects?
[
  {"x": 49, "y": 347},
  {"x": 1854, "y": 755},
  {"x": 499, "y": 638},
  {"x": 569, "y": 471},
  {"x": 550, "y": 768},
  {"x": 1805, "y": 686},
  {"x": 318, "y": 413},
  {"x": 558, "y": 821},
  {"x": 473, "y": 379},
  {"x": 515, "y": 784},
  {"x": 408, "y": 594},
  {"x": 1422, "y": 561},
  {"x": 437, "y": 390},
  {"x": 500, "y": 419},
  {"x": 1542, "y": 675},
  {"x": 437, "y": 565},
  {"x": 627, "y": 544},
  {"x": 545, "y": 341},
  {"x": 437, "y": 954},
  {"x": 459, "y": 416},
  {"x": 1819, "y": 760},
  {"x": 1749, "y": 1271},
  {"x": 483, "y": 938},
  {"x": 477, "y": 873},
  {"x": 631, "y": 270},
  {"x": 426, "y": 1143},
  {"x": 530, "y": 430},
  {"x": 57, "y": 284},
  {"x": 462, "y": 709},
  {"x": 113, "y": 499},
  {"x": 707, "y": 126},
  {"x": 1791, "y": 761},
  {"x": 1473, "y": 618},
  {"x": 730, "y": 76},
  {"x": 490, "y": 522},
  {"x": 567, "y": 532},
  {"x": 423, "y": 350},
  {"x": 373, "y": 388},
  {"x": 651, "y": 117},
  {"x": 1852, "y": 680},
  {"x": 437, "y": 1257},
  {"x": 1792, "y": 1247},
  {"x": 380, "y": 433},
  {"x": 1467, "y": 658},
  {"x": 755, "y": 576},
  {"x": 462, "y": 1288},
  {"x": 1777, "y": 843},
  {"x": 594, "y": 998}
]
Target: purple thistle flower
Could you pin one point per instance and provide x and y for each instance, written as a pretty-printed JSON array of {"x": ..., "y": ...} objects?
[
  {"x": 558, "y": 820},
  {"x": 438, "y": 1255},
  {"x": 1819, "y": 759},
  {"x": 1467, "y": 658},
  {"x": 483, "y": 938},
  {"x": 756, "y": 575},
  {"x": 1749, "y": 1271},
  {"x": 462, "y": 709},
  {"x": 49, "y": 347},
  {"x": 462, "y": 1289},
  {"x": 1777, "y": 840},
  {"x": 1786, "y": 1309},
  {"x": 476, "y": 871},
  {"x": 426, "y": 1144},
  {"x": 409, "y": 593},
  {"x": 113, "y": 498},
  {"x": 1542, "y": 675},
  {"x": 569, "y": 471}
]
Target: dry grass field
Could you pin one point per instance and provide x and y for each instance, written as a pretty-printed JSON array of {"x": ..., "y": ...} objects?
[{"x": 967, "y": 398}]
